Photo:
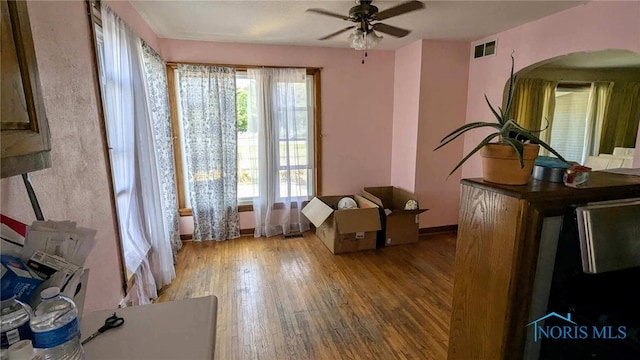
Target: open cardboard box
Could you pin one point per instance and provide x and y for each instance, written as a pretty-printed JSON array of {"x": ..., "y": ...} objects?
[
  {"x": 400, "y": 226},
  {"x": 344, "y": 230}
]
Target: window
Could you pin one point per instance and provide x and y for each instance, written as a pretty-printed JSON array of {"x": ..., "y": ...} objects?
[
  {"x": 247, "y": 150},
  {"x": 296, "y": 154},
  {"x": 569, "y": 122}
]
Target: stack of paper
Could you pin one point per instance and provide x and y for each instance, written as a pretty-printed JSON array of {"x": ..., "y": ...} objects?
[
  {"x": 609, "y": 235},
  {"x": 45, "y": 254},
  {"x": 57, "y": 251}
]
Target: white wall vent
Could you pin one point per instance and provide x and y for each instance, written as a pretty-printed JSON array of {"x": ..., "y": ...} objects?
[{"x": 485, "y": 49}]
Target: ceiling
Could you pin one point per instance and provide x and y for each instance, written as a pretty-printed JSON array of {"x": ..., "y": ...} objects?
[{"x": 287, "y": 23}]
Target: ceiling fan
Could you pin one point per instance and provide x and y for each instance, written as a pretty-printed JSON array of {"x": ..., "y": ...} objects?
[{"x": 364, "y": 13}]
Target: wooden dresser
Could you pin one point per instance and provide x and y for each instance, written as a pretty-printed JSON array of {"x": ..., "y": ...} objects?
[{"x": 499, "y": 234}]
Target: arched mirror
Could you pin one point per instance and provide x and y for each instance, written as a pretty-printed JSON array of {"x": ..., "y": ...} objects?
[{"x": 585, "y": 105}]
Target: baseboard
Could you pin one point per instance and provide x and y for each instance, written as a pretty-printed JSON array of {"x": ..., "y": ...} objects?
[
  {"x": 438, "y": 229},
  {"x": 423, "y": 231},
  {"x": 243, "y": 232}
]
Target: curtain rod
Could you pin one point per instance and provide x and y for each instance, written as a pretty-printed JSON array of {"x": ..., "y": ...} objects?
[
  {"x": 575, "y": 84},
  {"x": 174, "y": 64}
]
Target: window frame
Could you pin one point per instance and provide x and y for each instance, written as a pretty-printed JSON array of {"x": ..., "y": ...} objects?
[
  {"x": 175, "y": 128},
  {"x": 296, "y": 167},
  {"x": 570, "y": 88}
]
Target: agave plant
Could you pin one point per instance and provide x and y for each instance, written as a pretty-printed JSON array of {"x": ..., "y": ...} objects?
[{"x": 508, "y": 131}]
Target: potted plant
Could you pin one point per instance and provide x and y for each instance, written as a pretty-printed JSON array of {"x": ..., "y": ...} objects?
[{"x": 510, "y": 160}]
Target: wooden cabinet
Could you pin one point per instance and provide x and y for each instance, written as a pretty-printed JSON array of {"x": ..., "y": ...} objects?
[
  {"x": 24, "y": 131},
  {"x": 499, "y": 236}
]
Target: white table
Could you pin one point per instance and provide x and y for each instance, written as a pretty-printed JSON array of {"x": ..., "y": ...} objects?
[{"x": 184, "y": 329}]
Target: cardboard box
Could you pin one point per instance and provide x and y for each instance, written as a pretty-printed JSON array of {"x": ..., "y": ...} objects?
[
  {"x": 344, "y": 230},
  {"x": 17, "y": 279},
  {"x": 399, "y": 226}
]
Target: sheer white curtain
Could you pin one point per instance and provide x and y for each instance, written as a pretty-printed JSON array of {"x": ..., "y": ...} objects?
[
  {"x": 599, "y": 96},
  {"x": 276, "y": 98},
  {"x": 133, "y": 159}
]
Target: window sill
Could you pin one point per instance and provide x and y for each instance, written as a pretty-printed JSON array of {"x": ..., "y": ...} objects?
[{"x": 243, "y": 207}]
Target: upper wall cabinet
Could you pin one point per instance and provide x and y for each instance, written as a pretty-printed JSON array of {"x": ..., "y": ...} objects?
[{"x": 24, "y": 132}]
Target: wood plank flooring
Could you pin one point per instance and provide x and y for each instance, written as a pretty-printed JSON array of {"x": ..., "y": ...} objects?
[{"x": 293, "y": 299}]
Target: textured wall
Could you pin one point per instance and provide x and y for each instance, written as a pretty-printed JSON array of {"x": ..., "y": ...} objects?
[
  {"x": 77, "y": 186},
  {"x": 597, "y": 25}
]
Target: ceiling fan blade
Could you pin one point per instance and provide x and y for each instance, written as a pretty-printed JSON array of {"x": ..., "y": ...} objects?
[
  {"x": 391, "y": 30},
  {"x": 328, "y": 13},
  {"x": 337, "y": 33},
  {"x": 399, "y": 10}
]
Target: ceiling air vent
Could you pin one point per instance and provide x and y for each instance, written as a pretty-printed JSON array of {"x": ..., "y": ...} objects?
[{"x": 484, "y": 49}]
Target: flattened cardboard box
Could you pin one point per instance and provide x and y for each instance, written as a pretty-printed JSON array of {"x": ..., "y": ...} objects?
[
  {"x": 344, "y": 230},
  {"x": 400, "y": 226}
]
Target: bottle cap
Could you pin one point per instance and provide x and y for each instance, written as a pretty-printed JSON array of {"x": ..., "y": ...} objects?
[
  {"x": 22, "y": 350},
  {"x": 49, "y": 293}
]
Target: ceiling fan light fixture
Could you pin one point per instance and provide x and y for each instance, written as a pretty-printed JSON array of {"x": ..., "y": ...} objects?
[{"x": 361, "y": 40}]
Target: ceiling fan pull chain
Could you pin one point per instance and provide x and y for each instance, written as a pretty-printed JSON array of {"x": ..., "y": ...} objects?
[{"x": 364, "y": 36}]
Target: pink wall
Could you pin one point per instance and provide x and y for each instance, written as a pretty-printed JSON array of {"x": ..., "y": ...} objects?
[
  {"x": 129, "y": 15},
  {"x": 594, "y": 26},
  {"x": 443, "y": 98},
  {"x": 357, "y": 103},
  {"x": 406, "y": 94},
  {"x": 77, "y": 186}
]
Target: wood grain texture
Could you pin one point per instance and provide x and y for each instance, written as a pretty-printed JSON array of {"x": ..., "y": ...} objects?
[
  {"x": 496, "y": 258},
  {"x": 293, "y": 299},
  {"x": 175, "y": 132},
  {"x": 317, "y": 132},
  {"x": 555, "y": 197},
  {"x": 13, "y": 112},
  {"x": 24, "y": 141},
  {"x": 522, "y": 279},
  {"x": 485, "y": 258}
]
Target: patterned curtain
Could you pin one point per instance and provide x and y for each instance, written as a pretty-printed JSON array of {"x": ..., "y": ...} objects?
[
  {"x": 208, "y": 116},
  {"x": 158, "y": 98}
]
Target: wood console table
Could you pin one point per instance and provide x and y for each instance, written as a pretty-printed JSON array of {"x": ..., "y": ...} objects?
[{"x": 496, "y": 255}]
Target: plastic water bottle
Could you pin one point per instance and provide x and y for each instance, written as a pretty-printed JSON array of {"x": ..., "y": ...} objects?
[
  {"x": 55, "y": 326},
  {"x": 23, "y": 350},
  {"x": 14, "y": 323}
]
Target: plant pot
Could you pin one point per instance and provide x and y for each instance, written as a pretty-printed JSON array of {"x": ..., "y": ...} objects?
[{"x": 500, "y": 164}]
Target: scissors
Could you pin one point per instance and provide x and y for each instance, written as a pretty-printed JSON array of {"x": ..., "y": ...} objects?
[{"x": 111, "y": 322}]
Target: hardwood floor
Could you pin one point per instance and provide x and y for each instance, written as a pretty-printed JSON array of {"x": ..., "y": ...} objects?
[{"x": 293, "y": 299}]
